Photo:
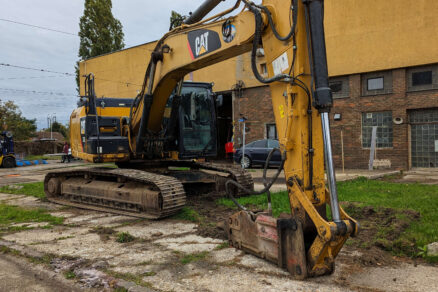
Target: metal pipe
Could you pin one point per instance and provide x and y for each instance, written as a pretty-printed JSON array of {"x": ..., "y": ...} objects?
[
  {"x": 151, "y": 78},
  {"x": 202, "y": 11},
  {"x": 331, "y": 177}
]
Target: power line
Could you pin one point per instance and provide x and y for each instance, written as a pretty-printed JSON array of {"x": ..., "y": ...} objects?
[
  {"x": 40, "y": 27},
  {"x": 36, "y": 92},
  {"x": 36, "y": 69},
  {"x": 34, "y": 77}
]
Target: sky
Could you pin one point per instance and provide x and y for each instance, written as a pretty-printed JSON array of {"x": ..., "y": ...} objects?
[{"x": 40, "y": 93}]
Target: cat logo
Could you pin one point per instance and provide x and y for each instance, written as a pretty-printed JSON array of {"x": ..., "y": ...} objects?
[
  {"x": 202, "y": 41},
  {"x": 201, "y": 44}
]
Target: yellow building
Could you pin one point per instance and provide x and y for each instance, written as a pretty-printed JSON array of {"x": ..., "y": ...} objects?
[{"x": 382, "y": 58}]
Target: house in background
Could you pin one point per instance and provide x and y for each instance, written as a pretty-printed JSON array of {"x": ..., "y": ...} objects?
[{"x": 47, "y": 136}]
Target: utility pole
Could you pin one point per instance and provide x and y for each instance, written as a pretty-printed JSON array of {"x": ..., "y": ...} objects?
[
  {"x": 50, "y": 120},
  {"x": 242, "y": 120}
]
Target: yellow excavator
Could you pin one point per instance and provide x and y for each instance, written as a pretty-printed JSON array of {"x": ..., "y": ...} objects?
[{"x": 152, "y": 140}]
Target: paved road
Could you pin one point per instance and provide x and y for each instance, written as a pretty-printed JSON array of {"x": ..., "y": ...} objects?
[
  {"x": 32, "y": 173},
  {"x": 17, "y": 274}
]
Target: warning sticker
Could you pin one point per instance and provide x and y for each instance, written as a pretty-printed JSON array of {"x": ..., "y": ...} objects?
[{"x": 280, "y": 64}]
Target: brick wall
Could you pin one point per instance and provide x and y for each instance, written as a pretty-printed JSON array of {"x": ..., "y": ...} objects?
[
  {"x": 255, "y": 104},
  {"x": 351, "y": 108}
]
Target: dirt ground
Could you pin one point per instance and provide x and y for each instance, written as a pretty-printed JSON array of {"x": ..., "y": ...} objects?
[{"x": 176, "y": 255}]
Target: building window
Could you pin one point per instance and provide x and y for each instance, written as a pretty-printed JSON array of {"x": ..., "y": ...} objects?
[
  {"x": 340, "y": 87},
  {"x": 271, "y": 131},
  {"x": 422, "y": 78},
  {"x": 336, "y": 86},
  {"x": 383, "y": 122},
  {"x": 377, "y": 83}
]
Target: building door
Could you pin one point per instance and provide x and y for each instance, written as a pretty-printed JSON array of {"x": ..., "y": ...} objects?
[{"x": 424, "y": 137}]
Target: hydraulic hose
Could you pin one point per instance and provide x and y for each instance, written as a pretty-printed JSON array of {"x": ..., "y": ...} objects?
[
  {"x": 267, "y": 184},
  {"x": 255, "y": 43},
  {"x": 271, "y": 22}
]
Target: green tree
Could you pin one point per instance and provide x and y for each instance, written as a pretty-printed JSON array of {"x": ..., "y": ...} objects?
[
  {"x": 12, "y": 120},
  {"x": 176, "y": 19},
  {"x": 99, "y": 31}
]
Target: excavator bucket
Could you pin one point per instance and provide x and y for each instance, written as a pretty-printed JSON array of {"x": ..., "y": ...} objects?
[{"x": 278, "y": 240}]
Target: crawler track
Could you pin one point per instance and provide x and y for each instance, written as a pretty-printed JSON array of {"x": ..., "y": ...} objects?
[{"x": 167, "y": 192}]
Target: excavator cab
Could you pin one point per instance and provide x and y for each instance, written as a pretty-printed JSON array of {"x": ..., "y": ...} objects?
[{"x": 196, "y": 122}]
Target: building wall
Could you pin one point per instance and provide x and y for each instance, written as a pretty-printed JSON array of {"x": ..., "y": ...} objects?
[
  {"x": 121, "y": 74},
  {"x": 361, "y": 36},
  {"x": 255, "y": 105},
  {"x": 399, "y": 102},
  {"x": 372, "y": 35}
]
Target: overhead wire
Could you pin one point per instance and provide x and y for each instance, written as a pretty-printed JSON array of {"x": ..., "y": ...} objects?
[
  {"x": 37, "y": 26},
  {"x": 36, "y": 92},
  {"x": 36, "y": 69},
  {"x": 34, "y": 77}
]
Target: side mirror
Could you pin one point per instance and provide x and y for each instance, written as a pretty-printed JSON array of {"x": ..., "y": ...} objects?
[{"x": 220, "y": 100}]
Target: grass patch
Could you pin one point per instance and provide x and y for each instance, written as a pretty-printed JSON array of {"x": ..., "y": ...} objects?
[
  {"x": 193, "y": 257},
  {"x": 35, "y": 189},
  {"x": 418, "y": 197},
  {"x": 188, "y": 214},
  {"x": 223, "y": 245},
  {"x": 378, "y": 194},
  {"x": 42, "y": 157},
  {"x": 13, "y": 214},
  {"x": 69, "y": 275},
  {"x": 137, "y": 279},
  {"x": 280, "y": 202},
  {"x": 123, "y": 237}
]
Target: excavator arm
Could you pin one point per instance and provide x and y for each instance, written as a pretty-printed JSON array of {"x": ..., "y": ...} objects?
[{"x": 292, "y": 36}]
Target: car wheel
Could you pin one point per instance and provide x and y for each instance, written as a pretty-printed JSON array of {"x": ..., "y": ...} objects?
[
  {"x": 9, "y": 162},
  {"x": 245, "y": 162}
]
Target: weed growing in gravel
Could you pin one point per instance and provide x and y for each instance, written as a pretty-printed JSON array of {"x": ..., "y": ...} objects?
[
  {"x": 149, "y": 274},
  {"x": 70, "y": 275},
  {"x": 188, "y": 214},
  {"x": 35, "y": 189},
  {"x": 137, "y": 279},
  {"x": 124, "y": 237},
  {"x": 223, "y": 245},
  {"x": 193, "y": 257}
]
